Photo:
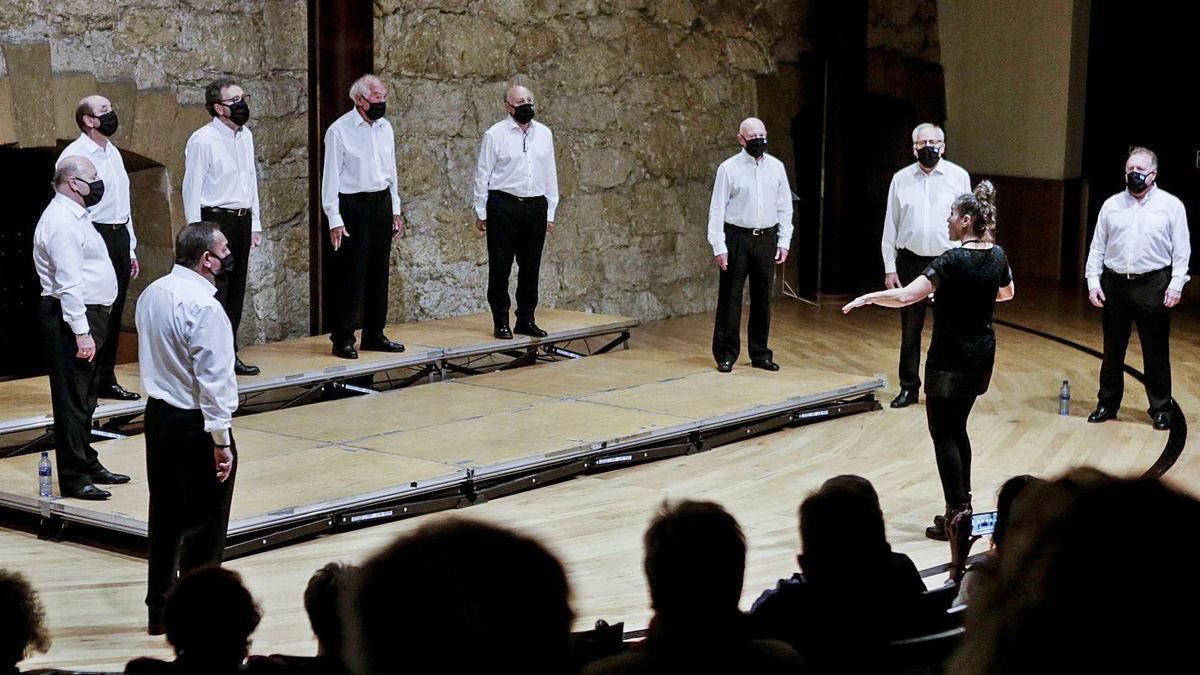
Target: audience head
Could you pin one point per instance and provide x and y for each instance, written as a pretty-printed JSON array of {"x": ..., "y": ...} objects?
[
  {"x": 22, "y": 627},
  {"x": 459, "y": 593},
  {"x": 1085, "y": 581},
  {"x": 322, "y": 598},
  {"x": 841, "y": 528},
  {"x": 1004, "y": 502},
  {"x": 210, "y": 616},
  {"x": 695, "y": 561}
]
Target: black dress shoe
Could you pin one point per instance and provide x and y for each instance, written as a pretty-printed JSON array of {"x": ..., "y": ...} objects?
[
  {"x": 724, "y": 366},
  {"x": 503, "y": 332},
  {"x": 1162, "y": 420},
  {"x": 1102, "y": 413},
  {"x": 765, "y": 365},
  {"x": 345, "y": 351},
  {"x": 243, "y": 369},
  {"x": 155, "y": 626},
  {"x": 905, "y": 398},
  {"x": 380, "y": 343},
  {"x": 106, "y": 477},
  {"x": 529, "y": 328},
  {"x": 116, "y": 391},
  {"x": 89, "y": 492}
]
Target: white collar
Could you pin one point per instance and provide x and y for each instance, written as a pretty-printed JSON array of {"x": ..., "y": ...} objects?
[
  {"x": 73, "y": 206},
  {"x": 192, "y": 276}
]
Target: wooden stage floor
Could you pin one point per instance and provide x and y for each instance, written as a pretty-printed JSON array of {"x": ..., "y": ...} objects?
[
  {"x": 299, "y": 463},
  {"x": 595, "y": 523},
  {"x": 25, "y": 403}
]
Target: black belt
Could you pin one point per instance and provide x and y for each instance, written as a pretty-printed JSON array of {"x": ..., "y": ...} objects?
[
  {"x": 752, "y": 231},
  {"x": 96, "y": 308},
  {"x": 508, "y": 195},
  {"x": 377, "y": 194},
  {"x": 1132, "y": 276},
  {"x": 115, "y": 226},
  {"x": 221, "y": 210}
]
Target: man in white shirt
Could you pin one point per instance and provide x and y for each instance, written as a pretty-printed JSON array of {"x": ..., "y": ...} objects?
[
  {"x": 185, "y": 348},
  {"x": 361, "y": 201},
  {"x": 1136, "y": 269},
  {"x": 914, "y": 233},
  {"x": 220, "y": 185},
  {"x": 78, "y": 287},
  {"x": 97, "y": 120},
  {"x": 516, "y": 195},
  {"x": 750, "y": 230}
]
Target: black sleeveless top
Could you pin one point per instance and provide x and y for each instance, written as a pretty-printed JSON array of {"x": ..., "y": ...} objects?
[{"x": 963, "y": 348}]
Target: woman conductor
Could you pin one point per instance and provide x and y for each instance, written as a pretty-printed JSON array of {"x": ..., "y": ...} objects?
[{"x": 969, "y": 281}]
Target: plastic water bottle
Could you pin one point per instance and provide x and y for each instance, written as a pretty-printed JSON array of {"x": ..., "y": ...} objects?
[
  {"x": 1064, "y": 399},
  {"x": 45, "y": 472}
]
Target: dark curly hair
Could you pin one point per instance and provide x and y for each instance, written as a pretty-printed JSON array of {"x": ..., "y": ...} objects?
[
  {"x": 22, "y": 620},
  {"x": 981, "y": 206}
]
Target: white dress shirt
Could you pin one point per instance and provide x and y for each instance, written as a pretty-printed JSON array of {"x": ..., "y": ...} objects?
[
  {"x": 918, "y": 205},
  {"x": 219, "y": 170},
  {"x": 518, "y": 162},
  {"x": 359, "y": 157},
  {"x": 185, "y": 349},
  {"x": 753, "y": 194},
  {"x": 72, "y": 261},
  {"x": 114, "y": 206},
  {"x": 1135, "y": 237}
]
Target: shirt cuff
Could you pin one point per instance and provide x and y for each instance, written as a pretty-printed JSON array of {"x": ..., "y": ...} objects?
[
  {"x": 783, "y": 244},
  {"x": 132, "y": 254},
  {"x": 256, "y": 226},
  {"x": 481, "y": 213},
  {"x": 1093, "y": 283},
  {"x": 78, "y": 326},
  {"x": 1177, "y": 283},
  {"x": 550, "y": 216},
  {"x": 222, "y": 437},
  {"x": 335, "y": 221},
  {"x": 719, "y": 249}
]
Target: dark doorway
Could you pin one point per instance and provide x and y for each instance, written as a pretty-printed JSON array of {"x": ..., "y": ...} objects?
[
  {"x": 1136, "y": 95},
  {"x": 26, "y": 175}
]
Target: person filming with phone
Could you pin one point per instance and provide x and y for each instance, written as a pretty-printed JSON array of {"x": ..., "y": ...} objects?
[{"x": 963, "y": 535}]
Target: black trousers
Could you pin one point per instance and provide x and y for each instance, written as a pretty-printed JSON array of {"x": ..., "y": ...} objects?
[
  {"x": 909, "y": 266},
  {"x": 73, "y": 385},
  {"x": 116, "y": 239},
  {"x": 754, "y": 257},
  {"x": 231, "y": 288},
  {"x": 516, "y": 229},
  {"x": 1138, "y": 302},
  {"x": 189, "y": 508},
  {"x": 360, "y": 266},
  {"x": 947, "y": 419}
]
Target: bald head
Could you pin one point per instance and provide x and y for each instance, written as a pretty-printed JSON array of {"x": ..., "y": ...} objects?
[
  {"x": 518, "y": 95},
  {"x": 89, "y": 110},
  {"x": 74, "y": 167},
  {"x": 752, "y": 127}
]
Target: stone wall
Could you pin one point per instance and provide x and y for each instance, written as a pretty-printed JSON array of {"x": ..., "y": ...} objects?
[
  {"x": 152, "y": 58},
  {"x": 644, "y": 97}
]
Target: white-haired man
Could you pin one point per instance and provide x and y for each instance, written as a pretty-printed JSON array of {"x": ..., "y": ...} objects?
[
  {"x": 1136, "y": 269},
  {"x": 220, "y": 185},
  {"x": 361, "y": 201},
  {"x": 112, "y": 218},
  {"x": 914, "y": 233},
  {"x": 750, "y": 230},
  {"x": 78, "y": 287},
  {"x": 516, "y": 195}
]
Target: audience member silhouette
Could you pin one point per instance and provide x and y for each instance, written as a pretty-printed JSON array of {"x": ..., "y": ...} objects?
[
  {"x": 852, "y": 594},
  {"x": 459, "y": 596},
  {"x": 1089, "y": 580},
  {"x": 209, "y": 617},
  {"x": 695, "y": 557},
  {"x": 322, "y": 600},
  {"x": 958, "y": 531},
  {"x": 22, "y": 621}
]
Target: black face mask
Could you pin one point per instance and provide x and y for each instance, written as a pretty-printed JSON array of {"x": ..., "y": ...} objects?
[
  {"x": 1136, "y": 182},
  {"x": 928, "y": 156},
  {"x": 227, "y": 264},
  {"x": 376, "y": 110},
  {"x": 95, "y": 192},
  {"x": 756, "y": 147},
  {"x": 239, "y": 113},
  {"x": 108, "y": 123},
  {"x": 523, "y": 113}
]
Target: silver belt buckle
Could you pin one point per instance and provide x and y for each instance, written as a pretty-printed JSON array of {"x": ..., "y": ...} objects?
[{"x": 757, "y": 231}]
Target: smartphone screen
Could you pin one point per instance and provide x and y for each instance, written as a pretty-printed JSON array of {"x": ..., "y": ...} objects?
[{"x": 983, "y": 523}]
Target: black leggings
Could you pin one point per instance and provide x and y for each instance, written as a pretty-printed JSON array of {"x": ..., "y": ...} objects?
[{"x": 951, "y": 446}]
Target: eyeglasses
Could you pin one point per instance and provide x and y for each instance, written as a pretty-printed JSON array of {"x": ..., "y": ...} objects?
[
  {"x": 929, "y": 144},
  {"x": 235, "y": 99}
]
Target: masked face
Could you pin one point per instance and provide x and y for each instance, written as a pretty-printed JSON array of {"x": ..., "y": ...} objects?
[
  {"x": 108, "y": 123},
  {"x": 1137, "y": 182},
  {"x": 376, "y": 110},
  {"x": 523, "y": 113},
  {"x": 239, "y": 113},
  {"x": 227, "y": 263},
  {"x": 929, "y": 156},
  {"x": 755, "y": 147},
  {"x": 94, "y": 194}
]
